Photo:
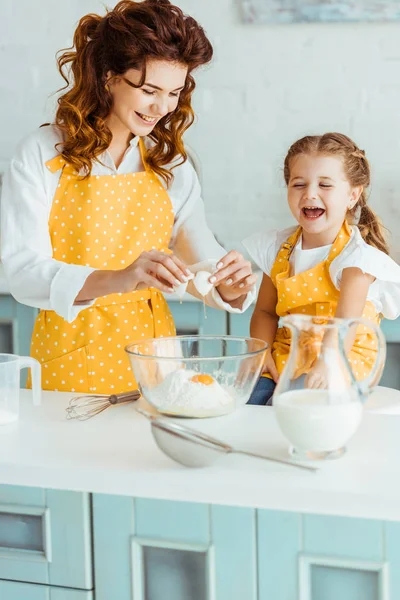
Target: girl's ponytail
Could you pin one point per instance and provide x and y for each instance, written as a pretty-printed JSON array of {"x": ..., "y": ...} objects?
[{"x": 370, "y": 226}]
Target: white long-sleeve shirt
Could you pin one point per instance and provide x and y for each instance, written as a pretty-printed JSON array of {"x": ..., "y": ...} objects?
[{"x": 34, "y": 276}]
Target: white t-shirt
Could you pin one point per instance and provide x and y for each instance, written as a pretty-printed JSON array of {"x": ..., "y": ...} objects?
[
  {"x": 301, "y": 260},
  {"x": 384, "y": 292},
  {"x": 38, "y": 280}
]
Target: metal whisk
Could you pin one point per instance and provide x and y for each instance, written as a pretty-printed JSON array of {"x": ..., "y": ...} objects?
[{"x": 83, "y": 408}]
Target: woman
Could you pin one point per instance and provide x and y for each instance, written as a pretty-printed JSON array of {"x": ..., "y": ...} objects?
[{"x": 101, "y": 212}]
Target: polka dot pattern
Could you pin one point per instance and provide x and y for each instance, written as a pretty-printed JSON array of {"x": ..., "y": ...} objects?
[
  {"x": 104, "y": 222},
  {"x": 313, "y": 293}
]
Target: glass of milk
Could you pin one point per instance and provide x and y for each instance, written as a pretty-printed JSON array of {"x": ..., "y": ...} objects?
[{"x": 332, "y": 366}]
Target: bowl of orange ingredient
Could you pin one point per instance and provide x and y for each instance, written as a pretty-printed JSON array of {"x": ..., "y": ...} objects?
[{"x": 197, "y": 375}]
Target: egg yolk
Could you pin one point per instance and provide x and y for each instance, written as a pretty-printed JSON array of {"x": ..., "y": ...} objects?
[{"x": 202, "y": 378}]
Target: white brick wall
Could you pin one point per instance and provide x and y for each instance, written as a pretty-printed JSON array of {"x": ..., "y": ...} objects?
[{"x": 266, "y": 87}]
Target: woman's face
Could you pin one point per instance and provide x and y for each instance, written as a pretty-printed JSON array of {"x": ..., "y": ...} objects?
[{"x": 138, "y": 110}]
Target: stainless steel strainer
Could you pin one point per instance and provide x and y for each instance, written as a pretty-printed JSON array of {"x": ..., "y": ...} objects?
[{"x": 195, "y": 449}]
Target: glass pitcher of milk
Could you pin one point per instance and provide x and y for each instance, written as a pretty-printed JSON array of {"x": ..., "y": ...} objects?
[
  {"x": 319, "y": 398},
  {"x": 10, "y": 366}
]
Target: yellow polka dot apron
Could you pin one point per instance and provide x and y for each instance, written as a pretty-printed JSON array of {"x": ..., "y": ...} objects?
[
  {"x": 313, "y": 293},
  {"x": 104, "y": 222}
]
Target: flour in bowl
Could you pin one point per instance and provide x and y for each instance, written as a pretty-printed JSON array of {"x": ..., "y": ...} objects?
[{"x": 190, "y": 394}]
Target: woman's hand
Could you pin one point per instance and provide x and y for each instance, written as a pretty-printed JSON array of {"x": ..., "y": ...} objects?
[
  {"x": 270, "y": 367},
  {"x": 234, "y": 278},
  {"x": 154, "y": 269}
]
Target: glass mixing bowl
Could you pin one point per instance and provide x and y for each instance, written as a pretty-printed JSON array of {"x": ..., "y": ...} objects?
[{"x": 197, "y": 375}]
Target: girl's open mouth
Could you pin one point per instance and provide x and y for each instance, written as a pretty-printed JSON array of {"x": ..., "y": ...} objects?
[{"x": 312, "y": 212}]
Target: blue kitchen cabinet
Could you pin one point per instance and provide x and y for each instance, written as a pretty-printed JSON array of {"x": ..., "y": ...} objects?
[
  {"x": 191, "y": 318},
  {"x": 158, "y": 549},
  {"x": 11, "y": 590},
  {"x": 45, "y": 538},
  {"x": 150, "y": 549},
  {"x": 207, "y": 552}
]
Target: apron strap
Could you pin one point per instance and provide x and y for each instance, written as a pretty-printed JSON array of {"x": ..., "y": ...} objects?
[
  {"x": 342, "y": 239},
  {"x": 143, "y": 152},
  {"x": 281, "y": 264},
  {"x": 57, "y": 163}
]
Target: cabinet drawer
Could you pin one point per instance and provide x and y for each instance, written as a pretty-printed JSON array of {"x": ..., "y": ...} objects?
[
  {"x": 45, "y": 537},
  {"x": 11, "y": 590}
]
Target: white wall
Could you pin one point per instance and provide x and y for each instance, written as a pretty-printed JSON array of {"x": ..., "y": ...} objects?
[{"x": 266, "y": 87}]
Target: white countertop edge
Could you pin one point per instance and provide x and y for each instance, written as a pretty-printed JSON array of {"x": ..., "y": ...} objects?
[{"x": 376, "y": 508}]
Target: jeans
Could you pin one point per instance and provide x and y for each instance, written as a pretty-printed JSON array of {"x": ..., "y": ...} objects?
[{"x": 262, "y": 393}]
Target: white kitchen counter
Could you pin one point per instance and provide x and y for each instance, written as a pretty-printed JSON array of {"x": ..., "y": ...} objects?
[{"x": 115, "y": 453}]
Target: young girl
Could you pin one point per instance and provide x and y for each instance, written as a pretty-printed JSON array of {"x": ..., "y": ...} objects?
[{"x": 335, "y": 263}]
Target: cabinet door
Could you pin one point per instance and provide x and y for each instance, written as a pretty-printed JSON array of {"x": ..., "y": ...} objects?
[
  {"x": 195, "y": 551},
  {"x": 45, "y": 537},
  {"x": 191, "y": 318},
  {"x": 315, "y": 557},
  {"x": 10, "y": 590}
]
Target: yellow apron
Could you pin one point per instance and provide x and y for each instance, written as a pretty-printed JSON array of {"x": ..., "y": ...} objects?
[
  {"x": 103, "y": 222},
  {"x": 313, "y": 293}
]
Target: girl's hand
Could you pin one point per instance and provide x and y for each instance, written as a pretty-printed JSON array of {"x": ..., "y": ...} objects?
[
  {"x": 234, "y": 278},
  {"x": 317, "y": 377},
  {"x": 154, "y": 269},
  {"x": 270, "y": 367}
]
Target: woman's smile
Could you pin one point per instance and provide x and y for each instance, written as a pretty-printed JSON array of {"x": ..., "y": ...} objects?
[{"x": 151, "y": 121}]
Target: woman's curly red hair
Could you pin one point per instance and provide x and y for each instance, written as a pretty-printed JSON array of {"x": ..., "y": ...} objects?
[{"x": 125, "y": 38}]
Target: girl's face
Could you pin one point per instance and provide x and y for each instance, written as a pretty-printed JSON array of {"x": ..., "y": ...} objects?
[
  {"x": 319, "y": 194},
  {"x": 138, "y": 110}
]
